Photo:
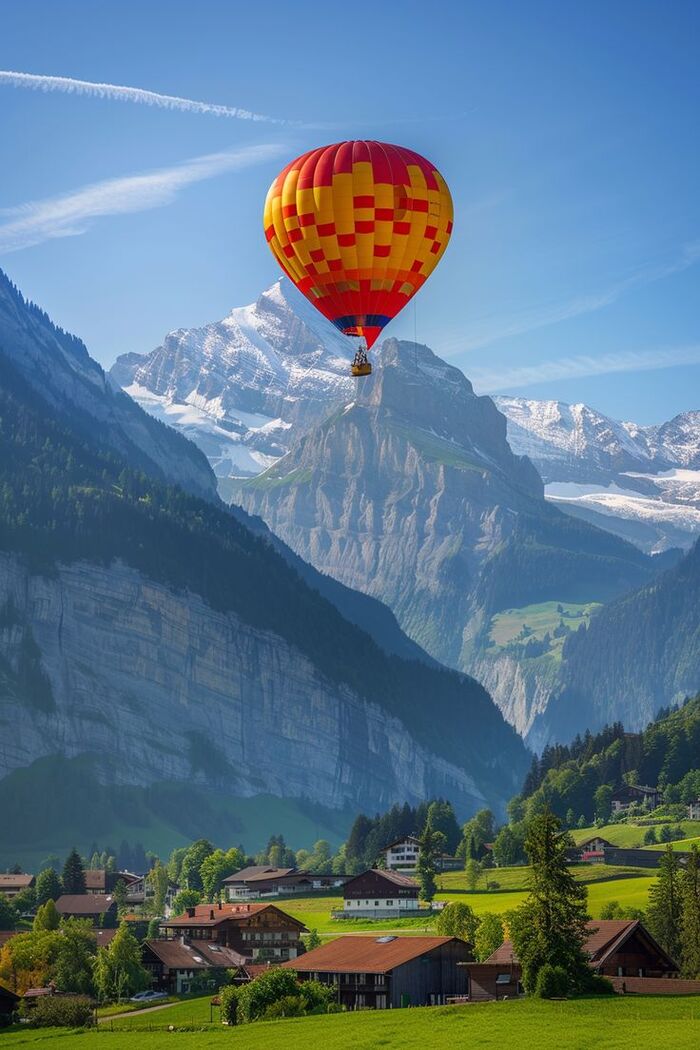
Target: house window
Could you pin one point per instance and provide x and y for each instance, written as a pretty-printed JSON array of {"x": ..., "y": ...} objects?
[
  {"x": 376, "y": 904},
  {"x": 390, "y": 904},
  {"x": 503, "y": 978}
]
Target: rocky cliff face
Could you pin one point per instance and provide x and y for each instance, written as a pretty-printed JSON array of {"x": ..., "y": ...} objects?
[
  {"x": 411, "y": 493},
  {"x": 403, "y": 493},
  {"x": 146, "y": 678}
]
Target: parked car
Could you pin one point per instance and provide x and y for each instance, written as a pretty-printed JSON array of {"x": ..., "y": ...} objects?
[{"x": 148, "y": 997}]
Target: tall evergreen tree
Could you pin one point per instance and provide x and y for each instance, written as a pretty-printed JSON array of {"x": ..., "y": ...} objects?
[
  {"x": 73, "y": 873},
  {"x": 550, "y": 927},
  {"x": 664, "y": 913},
  {"x": 690, "y": 916},
  {"x": 432, "y": 844}
]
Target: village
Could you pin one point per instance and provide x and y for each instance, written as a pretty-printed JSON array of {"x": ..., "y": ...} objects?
[{"x": 386, "y": 943}]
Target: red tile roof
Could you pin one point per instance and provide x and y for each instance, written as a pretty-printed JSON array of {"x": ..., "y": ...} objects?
[
  {"x": 365, "y": 954},
  {"x": 214, "y": 914}
]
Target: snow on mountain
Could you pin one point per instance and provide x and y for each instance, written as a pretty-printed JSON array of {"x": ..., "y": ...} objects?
[
  {"x": 238, "y": 387},
  {"x": 641, "y": 482}
]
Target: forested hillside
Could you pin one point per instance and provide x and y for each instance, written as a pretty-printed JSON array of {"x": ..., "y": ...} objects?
[
  {"x": 666, "y": 753},
  {"x": 639, "y": 654}
]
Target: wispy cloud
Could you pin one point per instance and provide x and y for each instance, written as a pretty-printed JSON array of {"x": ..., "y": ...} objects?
[
  {"x": 493, "y": 380},
  {"x": 120, "y": 93},
  {"x": 72, "y": 213},
  {"x": 488, "y": 330}
]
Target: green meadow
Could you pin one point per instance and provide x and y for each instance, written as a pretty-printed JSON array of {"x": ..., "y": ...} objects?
[{"x": 612, "y": 1024}]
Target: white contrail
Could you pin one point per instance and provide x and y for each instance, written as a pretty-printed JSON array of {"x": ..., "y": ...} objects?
[
  {"x": 70, "y": 214},
  {"x": 504, "y": 378},
  {"x": 70, "y": 86}
]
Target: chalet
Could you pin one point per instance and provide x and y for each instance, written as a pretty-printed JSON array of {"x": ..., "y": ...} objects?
[
  {"x": 402, "y": 855},
  {"x": 8, "y": 1004},
  {"x": 140, "y": 890},
  {"x": 100, "y": 908},
  {"x": 616, "y": 948},
  {"x": 388, "y": 971},
  {"x": 629, "y": 794},
  {"x": 99, "y": 881},
  {"x": 694, "y": 810},
  {"x": 11, "y": 885},
  {"x": 265, "y": 881},
  {"x": 379, "y": 894},
  {"x": 174, "y": 964},
  {"x": 256, "y": 931}
]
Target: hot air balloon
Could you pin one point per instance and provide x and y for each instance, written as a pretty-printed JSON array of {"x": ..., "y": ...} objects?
[{"x": 359, "y": 227}]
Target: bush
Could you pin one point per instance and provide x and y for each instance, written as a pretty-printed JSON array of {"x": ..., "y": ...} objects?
[
  {"x": 268, "y": 988},
  {"x": 599, "y": 985},
  {"x": 552, "y": 982},
  {"x": 287, "y": 1006},
  {"x": 316, "y": 996},
  {"x": 58, "y": 1011},
  {"x": 228, "y": 997}
]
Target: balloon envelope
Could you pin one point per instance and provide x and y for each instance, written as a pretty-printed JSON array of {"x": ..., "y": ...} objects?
[{"x": 359, "y": 227}]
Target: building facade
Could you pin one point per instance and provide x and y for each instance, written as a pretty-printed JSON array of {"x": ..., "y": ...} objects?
[
  {"x": 630, "y": 794},
  {"x": 383, "y": 972},
  {"x": 259, "y": 881},
  {"x": 379, "y": 894},
  {"x": 258, "y": 932}
]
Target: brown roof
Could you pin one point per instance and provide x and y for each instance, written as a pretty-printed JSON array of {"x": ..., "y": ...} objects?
[
  {"x": 84, "y": 903},
  {"x": 257, "y": 872},
  {"x": 398, "y": 842},
  {"x": 605, "y": 936},
  {"x": 397, "y": 877},
  {"x": 365, "y": 954},
  {"x": 194, "y": 955},
  {"x": 104, "y": 937},
  {"x": 15, "y": 882},
  {"x": 214, "y": 914},
  {"x": 95, "y": 879}
]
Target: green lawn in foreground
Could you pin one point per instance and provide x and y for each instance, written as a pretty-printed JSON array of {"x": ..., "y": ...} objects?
[
  {"x": 188, "y": 1012},
  {"x": 612, "y": 1024}
]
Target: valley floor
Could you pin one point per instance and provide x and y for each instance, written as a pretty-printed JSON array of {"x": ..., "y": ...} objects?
[{"x": 615, "y": 1023}]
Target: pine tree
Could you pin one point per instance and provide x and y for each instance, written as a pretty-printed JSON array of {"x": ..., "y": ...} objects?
[
  {"x": 432, "y": 844},
  {"x": 73, "y": 873},
  {"x": 664, "y": 914},
  {"x": 550, "y": 927},
  {"x": 690, "y": 916}
]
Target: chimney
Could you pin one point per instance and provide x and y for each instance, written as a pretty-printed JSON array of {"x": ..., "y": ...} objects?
[
  {"x": 220, "y": 905},
  {"x": 190, "y": 913},
  {"x": 211, "y": 914}
]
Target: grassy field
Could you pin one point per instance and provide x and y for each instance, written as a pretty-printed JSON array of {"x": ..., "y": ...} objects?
[
  {"x": 682, "y": 844},
  {"x": 628, "y": 886},
  {"x": 541, "y": 618},
  {"x": 632, "y": 835},
  {"x": 612, "y": 1024}
]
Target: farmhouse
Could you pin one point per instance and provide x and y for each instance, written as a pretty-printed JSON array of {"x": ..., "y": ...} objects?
[
  {"x": 174, "y": 964},
  {"x": 388, "y": 971},
  {"x": 402, "y": 855},
  {"x": 11, "y": 885},
  {"x": 257, "y": 931},
  {"x": 640, "y": 858},
  {"x": 264, "y": 881},
  {"x": 616, "y": 948},
  {"x": 379, "y": 894},
  {"x": 97, "y": 880},
  {"x": 630, "y": 794},
  {"x": 100, "y": 908},
  {"x": 694, "y": 810}
]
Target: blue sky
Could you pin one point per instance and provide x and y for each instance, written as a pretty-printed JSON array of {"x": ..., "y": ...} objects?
[{"x": 567, "y": 133}]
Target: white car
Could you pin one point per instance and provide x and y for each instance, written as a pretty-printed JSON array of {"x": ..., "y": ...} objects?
[{"x": 148, "y": 997}]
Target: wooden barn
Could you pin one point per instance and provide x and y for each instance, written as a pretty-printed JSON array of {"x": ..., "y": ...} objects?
[{"x": 385, "y": 972}]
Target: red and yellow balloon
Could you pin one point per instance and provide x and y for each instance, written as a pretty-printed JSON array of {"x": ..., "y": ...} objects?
[{"x": 359, "y": 227}]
